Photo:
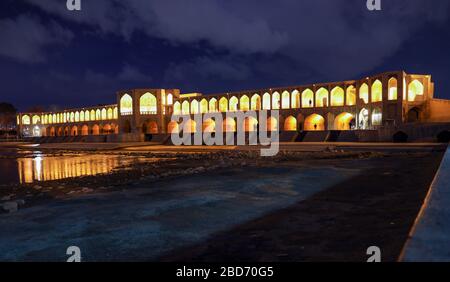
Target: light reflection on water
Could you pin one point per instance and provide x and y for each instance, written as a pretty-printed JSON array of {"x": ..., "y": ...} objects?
[{"x": 44, "y": 168}]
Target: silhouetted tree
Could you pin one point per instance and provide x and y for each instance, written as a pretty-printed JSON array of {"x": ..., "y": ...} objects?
[{"x": 7, "y": 116}]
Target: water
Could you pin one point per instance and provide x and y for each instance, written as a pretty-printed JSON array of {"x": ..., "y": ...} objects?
[
  {"x": 18, "y": 166},
  {"x": 154, "y": 218}
]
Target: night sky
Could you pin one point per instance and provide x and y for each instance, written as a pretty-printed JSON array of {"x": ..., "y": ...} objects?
[{"x": 53, "y": 57}]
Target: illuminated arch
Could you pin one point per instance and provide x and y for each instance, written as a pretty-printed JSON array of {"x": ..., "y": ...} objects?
[
  {"x": 204, "y": 106},
  {"x": 190, "y": 126},
  {"x": 234, "y": 104},
  {"x": 290, "y": 124},
  {"x": 415, "y": 88},
  {"x": 150, "y": 127},
  {"x": 93, "y": 114},
  {"x": 84, "y": 130},
  {"x": 95, "y": 129},
  {"x": 377, "y": 91},
  {"x": 266, "y": 101},
  {"x": 126, "y": 105},
  {"x": 377, "y": 116},
  {"x": 363, "y": 119},
  {"x": 72, "y": 117},
  {"x": 307, "y": 98},
  {"x": 81, "y": 115},
  {"x": 169, "y": 99},
  {"x": 295, "y": 99},
  {"x": 107, "y": 129},
  {"x": 185, "y": 108},
  {"x": 322, "y": 97},
  {"x": 364, "y": 93},
  {"x": 272, "y": 124},
  {"x": 74, "y": 131},
  {"x": 98, "y": 114},
  {"x": 393, "y": 89},
  {"x": 115, "y": 115},
  {"x": 223, "y": 104},
  {"x": 344, "y": 121},
  {"x": 244, "y": 103},
  {"x": 77, "y": 116},
  {"x": 250, "y": 124},
  {"x": 276, "y": 101},
  {"x": 314, "y": 122},
  {"x": 36, "y": 119},
  {"x": 86, "y": 116},
  {"x": 194, "y": 107},
  {"x": 351, "y": 95},
  {"x": 229, "y": 125},
  {"x": 52, "y": 131},
  {"x": 337, "y": 97},
  {"x": 54, "y": 117},
  {"x": 213, "y": 105},
  {"x": 177, "y": 108},
  {"x": 255, "y": 104},
  {"x": 58, "y": 118},
  {"x": 209, "y": 125},
  {"x": 110, "y": 113},
  {"x": 147, "y": 104},
  {"x": 173, "y": 127},
  {"x": 285, "y": 100}
]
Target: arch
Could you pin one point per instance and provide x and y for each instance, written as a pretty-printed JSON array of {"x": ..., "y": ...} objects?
[
  {"x": 96, "y": 129},
  {"x": 413, "y": 115},
  {"x": 377, "y": 91},
  {"x": 223, "y": 104},
  {"x": 81, "y": 115},
  {"x": 314, "y": 122},
  {"x": 322, "y": 97},
  {"x": 290, "y": 124},
  {"x": 185, "y": 107},
  {"x": 234, "y": 104},
  {"x": 173, "y": 127},
  {"x": 255, "y": 103},
  {"x": 415, "y": 88},
  {"x": 86, "y": 116},
  {"x": 213, "y": 105},
  {"x": 204, "y": 106},
  {"x": 295, "y": 99},
  {"x": 307, "y": 98},
  {"x": 77, "y": 116},
  {"x": 177, "y": 108},
  {"x": 266, "y": 101},
  {"x": 36, "y": 119},
  {"x": 209, "y": 125},
  {"x": 110, "y": 114},
  {"x": 60, "y": 131},
  {"x": 52, "y": 131},
  {"x": 250, "y": 124},
  {"x": 363, "y": 119},
  {"x": 337, "y": 97},
  {"x": 84, "y": 130},
  {"x": 276, "y": 101},
  {"x": 190, "y": 126},
  {"x": 66, "y": 131},
  {"x": 115, "y": 115},
  {"x": 126, "y": 105},
  {"x": 148, "y": 104},
  {"x": 93, "y": 114},
  {"x": 150, "y": 127},
  {"x": 393, "y": 89},
  {"x": 351, "y": 96},
  {"x": 364, "y": 93},
  {"x": 54, "y": 118},
  {"x": 194, "y": 107},
  {"x": 74, "y": 131},
  {"x": 107, "y": 129},
  {"x": 65, "y": 118},
  {"x": 244, "y": 103},
  {"x": 229, "y": 125},
  {"x": 272, "y": 124},
  {"x": 377, "y": 116},
  {"x": 169, "y": 99},
  {"x": 344, "y": 121},
  {"x": 98, "y": 114},
  {"x": 285, "y": 100}
]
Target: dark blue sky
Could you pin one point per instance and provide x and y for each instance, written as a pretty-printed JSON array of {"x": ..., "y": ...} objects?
[{"x": 53, "y": 57}]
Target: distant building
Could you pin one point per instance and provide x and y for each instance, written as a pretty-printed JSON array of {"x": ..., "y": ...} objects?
[{"x": 369, "y": 109}]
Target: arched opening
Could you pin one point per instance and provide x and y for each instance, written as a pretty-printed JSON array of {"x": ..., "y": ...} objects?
[
  {"x": 98, "y": 115},
  {"x": 84, "y": 130},
  {"x": 36, "y": 119},
  {"x": 351, "y": 95},
  {"x": 93, "y": 115},
  {"x": 314, "y": 122},
  {"x": 104, "y": 114},
  {"x": 272, "y": 124},
  {"x": 213, "y": 105},
  {"x": 415, "y": 88},
  {"x": 126, "y": 105},
  {"x": 295, "y": 99},
  {"x": 244, "y": 103},
  {"x": 256, "y": 102},
  {"x": 276, "y": 101},
  {"x": 364, "y": 93},
  {"x": 266, "y": 101},
  {"x": 234, "y": 104},
  {"x": 194, "y": 107},
  {"x": 393, "y": 89},
  {"x": 150, "y": 127},
  {"x": 250, "y": 124},
  {"x": 60, "y": 131},
  {"x": 66, "y": 131},
  {"x": 177, "y": 108},
  {"x": 96, "y": 129},
  {"x": 148, "y": 104},
  {"x": 204, "y": 106},
  {"x": 26, "y": 120},
  {"x": 285, "y": 100},
  {"x": 185, "y": 108},
  {"x": 81, "y": 116},
  {"x": 322, "y": 97},
  {"x": 209, "y": 125},
  {"x": 290, "y": 124},
  {"x": 337, "y": 97},
  {"x": 413, "y": 115},
  {"x": 173, "y": 127},
  {"x": 223, "y": 104},
  {"x": 190, "y": 126},
  {"x": 307, "y": 98},
  {"x": 363, "y": 121},
  {"x": 169, "y": 99},
  {"x": 344, "y": 121},
  {"x": 377, "y": 91},
  {"x": 377, "y": 116},
  {"x": 229, "y": 125},
  {"x": 110, "y": 113},
  {"x": 107, "y": 129}
]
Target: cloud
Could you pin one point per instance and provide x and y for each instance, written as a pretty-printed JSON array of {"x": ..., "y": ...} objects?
[
  {"x": 130, "y": 73},
  {"x": 26, "y": 37}
]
